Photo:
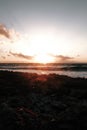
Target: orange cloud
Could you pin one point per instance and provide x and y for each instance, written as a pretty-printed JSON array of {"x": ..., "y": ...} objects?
[
  {"x": 62, "y": 58},
  {"x": 20, "y": 55},
  {"x": 3, "y": 57},
  {"x": 4, "y": 31}
]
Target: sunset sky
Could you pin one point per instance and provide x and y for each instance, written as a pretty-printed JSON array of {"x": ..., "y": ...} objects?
[{"x": 43, "y": 31}]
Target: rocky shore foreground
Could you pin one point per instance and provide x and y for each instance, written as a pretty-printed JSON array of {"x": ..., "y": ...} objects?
[{"x": 42, "y": 102}]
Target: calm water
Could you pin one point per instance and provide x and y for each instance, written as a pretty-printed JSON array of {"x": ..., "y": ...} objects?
[{"x": 73, "y": 70}]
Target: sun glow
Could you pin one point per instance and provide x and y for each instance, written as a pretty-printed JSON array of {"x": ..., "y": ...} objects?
[
  {"x": 41, "y": 46},
  {"x": 43, "y": 58}
]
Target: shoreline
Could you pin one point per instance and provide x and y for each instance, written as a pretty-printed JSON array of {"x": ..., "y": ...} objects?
[{"x": 72, "y": 74}]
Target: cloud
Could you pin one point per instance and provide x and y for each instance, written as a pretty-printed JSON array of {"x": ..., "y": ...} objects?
[
  {"x": 65, "y": 57},
  {"x": 3, "y": 57},
  {"x": 62, "y": 58},
  {"x": 20, "y": 55},
  {"x": 8, "y": 55},
  {"x": 78, "y": 55},
  {"x": 4, "y": 31}
]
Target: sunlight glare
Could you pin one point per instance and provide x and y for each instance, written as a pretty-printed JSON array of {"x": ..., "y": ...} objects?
[{"x": 43, "y": 58}]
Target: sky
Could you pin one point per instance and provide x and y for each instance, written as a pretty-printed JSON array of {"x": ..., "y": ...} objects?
[{"x": 43, "y": 31}]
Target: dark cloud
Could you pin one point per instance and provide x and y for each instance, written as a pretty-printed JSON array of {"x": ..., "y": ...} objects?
[
  {"x": 8, "y": 55},
  {"x": 63, "y": 58},
  {"x": 4, "y": 31},
  {"x": 3, "y": 57},
  {"x": 20, "y": 55}
]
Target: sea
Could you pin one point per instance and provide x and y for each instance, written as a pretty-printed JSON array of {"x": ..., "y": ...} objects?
[{"x": 72, "y": 70}]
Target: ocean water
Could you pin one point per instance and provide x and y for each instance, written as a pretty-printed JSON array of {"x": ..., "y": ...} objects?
[{"x": 72, "y": 70}]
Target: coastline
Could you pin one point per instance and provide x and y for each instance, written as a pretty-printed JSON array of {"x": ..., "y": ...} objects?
[{"x": 32, "y": 101}]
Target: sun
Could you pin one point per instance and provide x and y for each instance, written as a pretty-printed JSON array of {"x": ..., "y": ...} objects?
[
  {"x": 43, "y": 58},
  {"x": 40, "y": 46}
]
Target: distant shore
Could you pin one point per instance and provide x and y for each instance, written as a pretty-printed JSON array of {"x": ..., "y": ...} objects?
[{"x": 32, "y": 101}]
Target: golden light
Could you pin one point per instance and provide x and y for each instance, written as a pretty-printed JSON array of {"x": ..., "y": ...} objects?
[
  {"x": 43, "y": 58},
  {"x": 43, "y": 46},
  {"x": 40, "y": 46}
]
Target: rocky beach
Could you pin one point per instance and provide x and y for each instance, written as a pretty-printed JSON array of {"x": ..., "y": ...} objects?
[{"x": 42, "y": 102}]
